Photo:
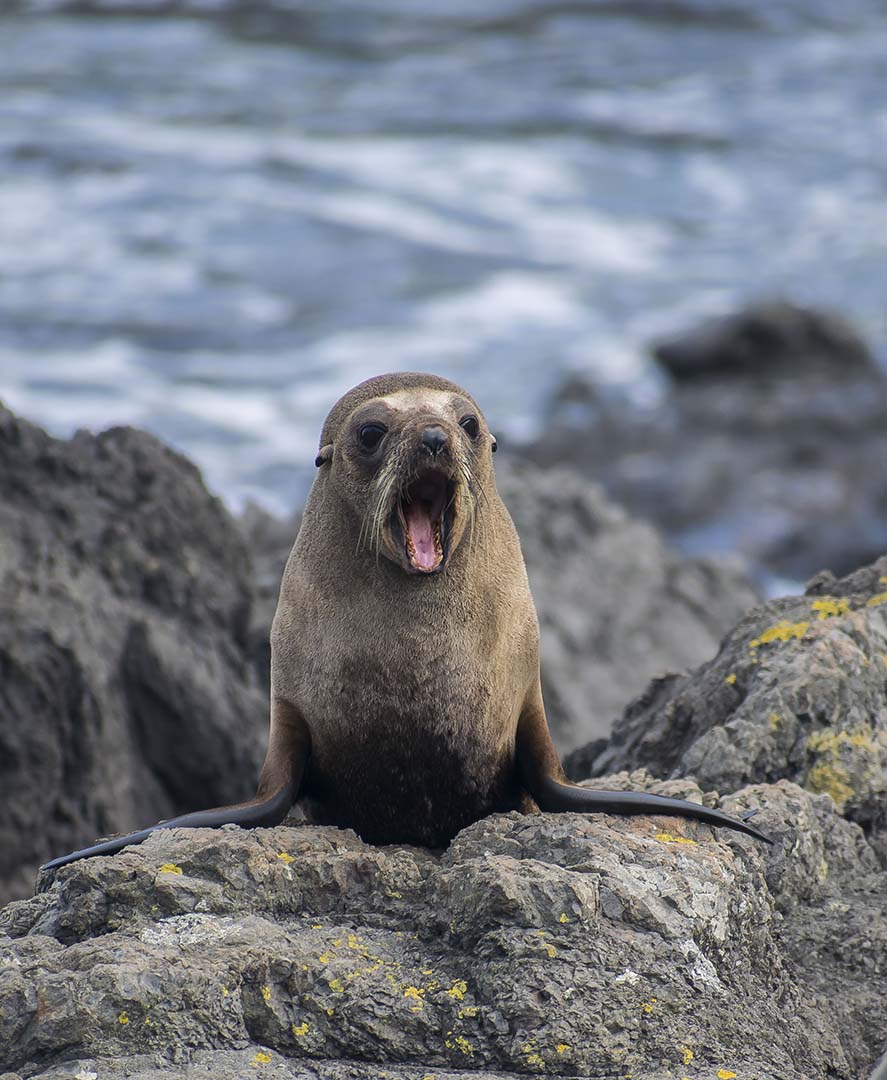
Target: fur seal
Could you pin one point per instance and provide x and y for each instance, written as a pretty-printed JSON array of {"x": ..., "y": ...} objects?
[{"x": 405, "y": 694}]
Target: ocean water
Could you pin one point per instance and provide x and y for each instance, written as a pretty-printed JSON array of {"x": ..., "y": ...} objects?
[{"x": 217, "y": 216}]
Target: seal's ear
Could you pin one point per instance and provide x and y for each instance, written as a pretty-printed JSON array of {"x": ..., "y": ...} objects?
[
  {"x": 495, "y": 445},
  {"x": 325, "y": 455}
]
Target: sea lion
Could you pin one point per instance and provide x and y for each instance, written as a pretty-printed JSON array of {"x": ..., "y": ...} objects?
[{"x": 405, "y": 693}]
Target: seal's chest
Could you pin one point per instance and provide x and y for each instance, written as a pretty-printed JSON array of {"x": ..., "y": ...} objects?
[
  {"x": 407, "y": 777},
  {"x": 416, "y": 790}
]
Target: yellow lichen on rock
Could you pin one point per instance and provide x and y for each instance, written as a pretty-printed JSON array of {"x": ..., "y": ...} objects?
[
  {"x": 285, "y": 857},
  {"x": 122, "y": 1018},
  {"x": 860, "y": 749},
  {"x": 533, "y": 1057},
  {"x": 266, "y": 993},
  {"x": 170, "y": 868},
  {"x": 782, "y": 631},
  {"x": 731, "y": 679},
  {"x": 300, "y": 1030},
  {"x": 670, "y": 838},
  {"x": 458, "y": 989},
  {"x": 831, "y": 779},
  {"x": 831, "y": 608},
  {"x": 261, "y": 1058},
  {"x": 458, "y": 1042},
  {"x": 877, "y": 600},
  {"x": 686, "y": 1054}
]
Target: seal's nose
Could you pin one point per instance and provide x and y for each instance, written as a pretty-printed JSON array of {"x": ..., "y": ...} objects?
[{"x": 434, "y": 439}]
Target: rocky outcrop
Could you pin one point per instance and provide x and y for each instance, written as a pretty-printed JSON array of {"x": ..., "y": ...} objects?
[
  {"x": 126, "y": 692},
  {"x": 576, "y": 945},
  {"x": 767, "y": 442},
  {"x": 582, "y": 946},
  {"x": 797, "y": 691}
]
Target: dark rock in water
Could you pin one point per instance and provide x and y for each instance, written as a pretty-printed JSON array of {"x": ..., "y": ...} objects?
[
  {"x": 768, "y": 445},
  {"x": 797, "y": 691},
  {"x": 765, "y": 339},
  {"x": 568, "y": 944},
  {"x": 126, "y": 692}
]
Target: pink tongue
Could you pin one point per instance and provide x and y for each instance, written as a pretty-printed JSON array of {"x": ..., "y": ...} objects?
[{"x": 422, "y": 534}]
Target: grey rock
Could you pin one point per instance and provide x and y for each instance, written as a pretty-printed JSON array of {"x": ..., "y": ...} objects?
[
  {"x": 570, "y": 944},
  {"x": 797, "y": 691},
  {"x": 126, "y": 688}
]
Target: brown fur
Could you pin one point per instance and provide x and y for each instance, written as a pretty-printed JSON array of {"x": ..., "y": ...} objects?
[{"x": 411, "y": 685}]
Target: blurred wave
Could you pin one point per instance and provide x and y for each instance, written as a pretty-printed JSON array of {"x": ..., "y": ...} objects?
[{"x": 216, "y": 216}]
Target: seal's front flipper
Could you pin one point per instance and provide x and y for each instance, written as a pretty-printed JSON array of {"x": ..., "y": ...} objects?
[
  {"x": 542, "y": 775},
  {"x": 279, "y": 783}
]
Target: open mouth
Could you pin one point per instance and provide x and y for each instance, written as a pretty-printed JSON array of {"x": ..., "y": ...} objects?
[{"x": 422, "y": 520}]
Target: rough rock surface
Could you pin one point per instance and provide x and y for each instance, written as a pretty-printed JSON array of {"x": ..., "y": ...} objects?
[
  {"x": 566, "y": 944},
  {"x": 797, "y": 691},
  {"x": 768, "y": 443},
  {"x": 126, "y": 694}
]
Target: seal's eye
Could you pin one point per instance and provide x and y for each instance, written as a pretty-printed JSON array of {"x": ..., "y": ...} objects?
[
  {"x": 470, "y": 426},
  {"x": 370, "y": 435}
]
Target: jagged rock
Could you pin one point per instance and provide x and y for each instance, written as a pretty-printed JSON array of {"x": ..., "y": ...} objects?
[
  {"x": 571, "y": 944},
  {"x": 797, "y": 691},
  {"x": 126, "y": 692}
]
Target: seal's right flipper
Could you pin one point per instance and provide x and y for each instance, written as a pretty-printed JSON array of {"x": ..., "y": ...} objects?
[
  {"x": 279, "y": 783},
  {"x": 543, "y": 777}
]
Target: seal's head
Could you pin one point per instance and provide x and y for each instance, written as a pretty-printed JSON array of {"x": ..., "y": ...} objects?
[{"x": 409, "y": 453}]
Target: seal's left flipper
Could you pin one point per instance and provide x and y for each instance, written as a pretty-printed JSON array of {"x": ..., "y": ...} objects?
[
  {"x": 279, "y": 784},
  {"x": 543, "y": 776}
]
